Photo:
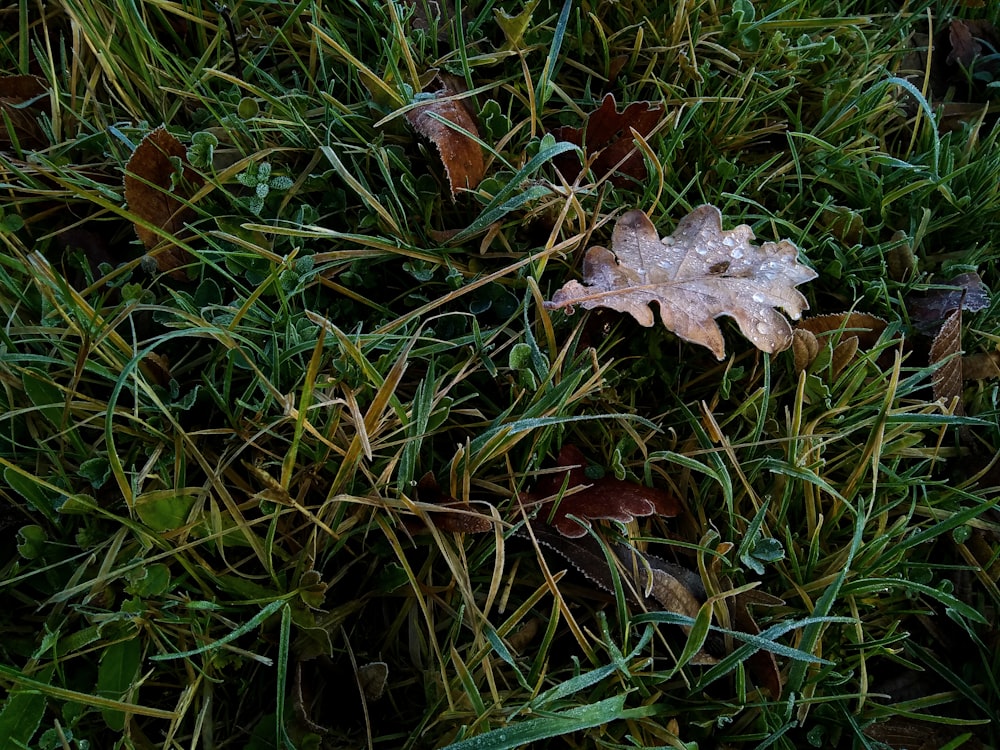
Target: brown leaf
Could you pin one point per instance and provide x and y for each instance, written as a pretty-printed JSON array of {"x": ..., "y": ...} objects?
[
  {"x": 461, "y": 520},
  {"x": 608, "y": 498},
  {"x": 901, "y": 260},
  {"x": 372, "y": 679},
  {"x": 696, "y": 275},
  {"x": 432, "y": 14},
  {"x": 964, "y": 37},
  {"x": 910, "y": 733},
  {"x": 521, "y": 638},
  {"x": 846, "y": 332},
  {"x": 149, "y": 192},
  {"x": 805, "y": 348},
  {"x": 461, "y": 155},
  {"x": 22, "y": 99},
  {"x": 607, "y": 139},
  {"x": 947, "y": 345},
  {"x": 843, "y": 223},
  {"x": 762, "y": 664},
  {"x": 981, "y": 366}
]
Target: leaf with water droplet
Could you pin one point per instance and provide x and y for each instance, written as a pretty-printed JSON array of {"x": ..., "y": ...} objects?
[{"x": 697, "y": 274}]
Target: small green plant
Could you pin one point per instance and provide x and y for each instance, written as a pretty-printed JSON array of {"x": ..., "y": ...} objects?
[{"x": 257, "y": 176}]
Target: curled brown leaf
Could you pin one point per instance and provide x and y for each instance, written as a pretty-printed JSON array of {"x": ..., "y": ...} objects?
[{"x": 608, "y": 143}]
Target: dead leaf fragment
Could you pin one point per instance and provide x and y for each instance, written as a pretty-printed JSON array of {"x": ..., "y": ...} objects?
[
  {"x": 372, "y": 679},
  {"x": 763, "y": 665},
  {"x": 981, "y": 366},
  {"x": 150, "y": 177},
  {"x": 605, "y": 498},
  {"x": 460, "y": 519},
  {"x": 901, "y": 260},
  {"x": 22, "y": 99},
  {"x": 965, "y": 38},
  {"x": 461, "y": 154},
  {"x": 695, "y": 275},
  {"x": 608, "y": 143}
]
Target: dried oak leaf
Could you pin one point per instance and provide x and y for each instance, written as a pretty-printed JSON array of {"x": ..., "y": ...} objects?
[
  {"x": 150, "y": 192},
  {"x": 608, "y": 498},
  {"x": 696, "y": 275},
  {"x": 461, "y": 154},
  {"x": 607, "y": 139},
  {"x": 22, "y": 98}
]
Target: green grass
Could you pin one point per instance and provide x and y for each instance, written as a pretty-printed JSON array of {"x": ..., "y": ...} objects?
[{"x": 210, "y": 520}]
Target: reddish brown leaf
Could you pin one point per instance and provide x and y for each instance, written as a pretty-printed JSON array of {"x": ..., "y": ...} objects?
[
  {"x": 149, "y": 192},
  {"x": 22, "y": 99},
  {"x": 607, "y": 139},
  {"x": 466, "y": 522},
  {"x": 947, "y": 345},
  {"x": 606, "y": 498},
  {"x": 695, "y": 275},
  {"x": 461, "y": 155}
]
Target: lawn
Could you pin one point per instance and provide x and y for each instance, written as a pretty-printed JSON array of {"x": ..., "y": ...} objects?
[{"x": 350, "y": 397}]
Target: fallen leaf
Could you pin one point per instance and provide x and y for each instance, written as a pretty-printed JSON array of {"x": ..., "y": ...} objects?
[
  {"x": 460, "y": 519},
  {"x": 155, "y": 196},
  {"x": 372, "y": 679},
  {"x": 432, "y": 15},
  {"x": 762, "y": 664},
  {"x": 22, "y": 99},
  {"x": 696, "y": 275},
  {"x": 965, "y": 38},
  {"x": 461, "y": 154},
  {"x": 946, "y": 383},
  {"x": 521, "y": 638},
  {"x": 981, "y": 366},
  {"x": 929, "y": 309},
  {"x": 605, "y": 498},
  {"x": 805, "y": 349},
  {"x": 608, "y": 143},
  {"x": 901, "y": 260},
  {"x": 910, "y": 733},
  {"x": 844, "y": 333},
  {"x": 843, "y": 223}
]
